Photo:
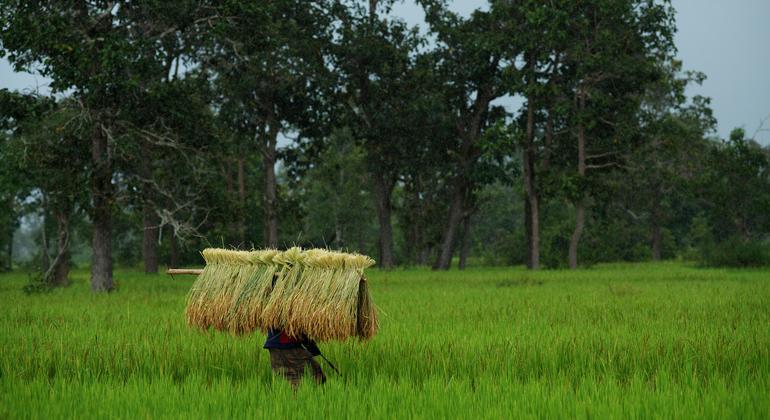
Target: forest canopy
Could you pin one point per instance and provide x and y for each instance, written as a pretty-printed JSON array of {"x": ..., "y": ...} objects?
[{"x": 174, "y": 126}]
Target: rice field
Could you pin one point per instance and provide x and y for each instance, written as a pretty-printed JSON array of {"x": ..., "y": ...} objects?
[{"x": 614, "y": 341}]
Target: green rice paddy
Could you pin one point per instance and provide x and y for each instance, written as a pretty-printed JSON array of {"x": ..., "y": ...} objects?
[{"x": 614, "y": 341}]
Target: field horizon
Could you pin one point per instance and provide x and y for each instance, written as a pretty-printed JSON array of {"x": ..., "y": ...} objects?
[{"x": 616, "y": 340}]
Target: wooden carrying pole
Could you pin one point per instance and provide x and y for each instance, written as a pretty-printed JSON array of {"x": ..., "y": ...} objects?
[{"x": 192, "y": 271}]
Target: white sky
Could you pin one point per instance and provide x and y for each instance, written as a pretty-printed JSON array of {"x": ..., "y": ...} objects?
[{"x": 727, "y": 40}]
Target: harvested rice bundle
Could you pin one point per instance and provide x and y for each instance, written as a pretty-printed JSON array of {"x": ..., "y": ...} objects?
[
  {"x": 326, "y": 304},
  {"x": 231, "y": 291},
  {"x": 318, "y": 293},
  {"x": 252, "y": 296},
  {"x": 276, "y": 309},
  {"x": 306, "y": 305},
  {"x": 209, "y": 297},
  {"x": 222, "y": 309},
  {"x": 367, "y": 313}
]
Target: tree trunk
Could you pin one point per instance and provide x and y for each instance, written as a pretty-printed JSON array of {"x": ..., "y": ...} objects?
[
  {"x": 548, "y": 140},
  {"x": 383, "y": 189},
  {"x": 235, "y": 215},
  {"x": 268, "y": 159},
  {"x": 576, "y": 234},
  {"x": 372, "y": 11},
  {"x": 656, "y": 241},
  {"x": 45, "y": 246},
  {"x": 338, "y": 238},
  {"x": 241, "y": 201},
  {"x": 149, "y": 217},
  {"x": 580, "y": 204},
  {"x": 533, "y": 201},
  {"x": 413, "y": 234},
  {"x": 534, "y": 245},
  {"x": 422, "y": 257},
  {"x": 149, "y": 239},
  {"x": 410, "y": 242},
  {"x": 656, "y": 234},
  {"x": 527, "y": 228},
  {"x": 173, "y": 250},
  {"x": 466, "y": 242},
  {"x": 444, "y": 259},
  {"x": 9, "y": 262},
  {"x": 102, "y": 195},
  {"x": 9, "y": 228},
  {"x": 361, "y": 243},
  {"x": 469, "y": 132},
  {"x": 742, "y": 226},
  {"x": 61, "y": 264},
  {"x": 45, "y": 257}
]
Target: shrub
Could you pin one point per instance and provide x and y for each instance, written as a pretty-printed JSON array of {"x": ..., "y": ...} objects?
[{"x": 736, "y": 252}]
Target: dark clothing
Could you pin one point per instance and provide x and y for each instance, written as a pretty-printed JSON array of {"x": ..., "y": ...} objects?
[
  {"x": 291, "y": 363},
  {"x": 289, "y": 356},
  {"x": 277, "y": 339}
]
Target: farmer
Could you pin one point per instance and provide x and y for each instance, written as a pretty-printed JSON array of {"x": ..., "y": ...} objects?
[{"x": 289, "y": 356}]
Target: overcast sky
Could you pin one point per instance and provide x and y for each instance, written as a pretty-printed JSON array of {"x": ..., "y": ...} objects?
[{"x": 727, "y": 40}]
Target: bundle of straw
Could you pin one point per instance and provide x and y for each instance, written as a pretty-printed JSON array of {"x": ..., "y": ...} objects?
[{"x": 317, "y": 293}]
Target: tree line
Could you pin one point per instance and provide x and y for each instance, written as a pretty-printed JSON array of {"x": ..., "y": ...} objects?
[{"x": 179, "y": 125}]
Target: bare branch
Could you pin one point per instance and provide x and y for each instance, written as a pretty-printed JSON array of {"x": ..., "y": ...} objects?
[
  {"x": 601, "y": 155},
  {"x": 761, "y": 128},
  {"x": 604, "y": 165}
]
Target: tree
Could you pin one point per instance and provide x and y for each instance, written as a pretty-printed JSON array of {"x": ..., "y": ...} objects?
[
  {"x": 544, "y": 40},
  {"x": 44, "y": 150},
  {"x": 336, "y": 196},
  {"x": 269, "y": 65},
  {"x": 668, "y": 161},
  {"x": 54, "y": 159},
  {"x": 613, "y": 51},
  {"x": 426, "y": 161},
  {"x": 375, "y": 59},
  {"x": 15, "y": 110},
  {"x": 737, "y": 185},
  {"x": 478, "y": 57},
  {"x": 102, "y": 52}
]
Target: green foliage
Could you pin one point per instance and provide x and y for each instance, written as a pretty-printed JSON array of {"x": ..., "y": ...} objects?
[
  {"x": 737, "y": 183},
  {"x": 336, "y": 196},
  {"x": 736, "y": 252},
  {"x": 615, "y": 341},
  {"x": 381, "y": 118},
  {"x": 558, "y": 222},
  {"x": 36, "y": 283},
  {"x": 497, "y": 234}
]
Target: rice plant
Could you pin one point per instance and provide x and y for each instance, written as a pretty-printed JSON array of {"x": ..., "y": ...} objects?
[{"x": 616, "y": 341}]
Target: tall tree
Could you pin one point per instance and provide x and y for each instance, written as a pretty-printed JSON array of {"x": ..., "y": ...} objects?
[
  {"x": 737, "y": 185},
  {"x": 544, "y": 40},
  {"x": 669, "y": 158},
  {"x": 18, "y": 112},
  {"x": 54, "y": 157},
  {"x": 615, "y": 46},
  {"x": 44, "y": 149},
  {"x": 336, "y": 196},
  {"x": 102, "y": 52},
  {"x": 269, "y": 62},
  {"x": 478, "y": 63},
  {"x": 375, "y": 59}
]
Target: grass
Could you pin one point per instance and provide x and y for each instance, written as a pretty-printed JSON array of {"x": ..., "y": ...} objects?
[{"x": 619, "y": 341}]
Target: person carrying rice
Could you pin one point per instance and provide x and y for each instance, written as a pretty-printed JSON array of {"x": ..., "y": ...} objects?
[{"x": 295, "y": 296}]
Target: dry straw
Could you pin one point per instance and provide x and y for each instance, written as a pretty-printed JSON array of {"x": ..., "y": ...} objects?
[{"x": 318, "y": 293}]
